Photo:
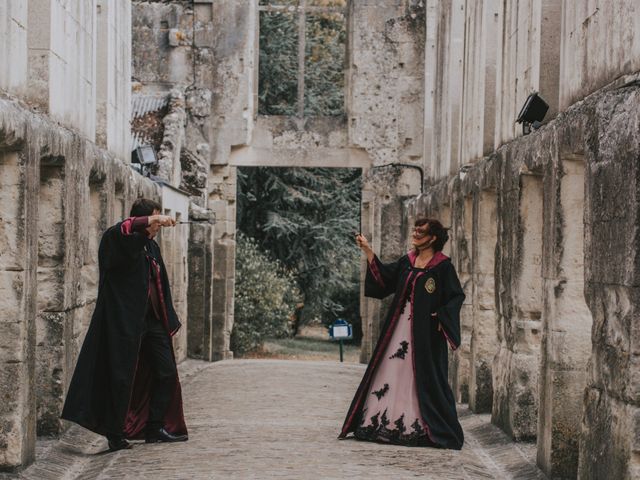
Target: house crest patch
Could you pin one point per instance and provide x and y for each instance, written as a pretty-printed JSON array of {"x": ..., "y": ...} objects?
[{"x": 430, "y": 285}]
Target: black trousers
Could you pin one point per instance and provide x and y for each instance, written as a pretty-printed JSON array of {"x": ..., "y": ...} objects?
[{"x": 157, "y": 346}]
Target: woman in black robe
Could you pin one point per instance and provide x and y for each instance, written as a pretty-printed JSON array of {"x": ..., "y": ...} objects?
[{"x": 404, "y": 397}]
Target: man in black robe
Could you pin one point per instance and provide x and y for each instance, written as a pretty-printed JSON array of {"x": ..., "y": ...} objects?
[{"x": 125, "y": 385}]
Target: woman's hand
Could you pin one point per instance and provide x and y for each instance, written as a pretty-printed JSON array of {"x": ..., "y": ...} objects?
[{"x": 363, "y": 244}]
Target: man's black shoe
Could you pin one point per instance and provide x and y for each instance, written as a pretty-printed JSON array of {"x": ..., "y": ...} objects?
[
  {"x": 116, "y": 444},
  {"x": 161, "y": 435}
]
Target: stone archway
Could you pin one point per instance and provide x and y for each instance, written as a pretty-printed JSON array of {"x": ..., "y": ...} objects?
[{"x": 278, "y": 142}]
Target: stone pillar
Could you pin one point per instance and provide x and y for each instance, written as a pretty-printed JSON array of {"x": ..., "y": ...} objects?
[
  {"x": 95, "y": 222},
  {"x": 222, "y": 201},
  {"x": 462, "y": 227},
  {"x": 483, "y": 338},
  {"x": 610, "y": 439},
  {"x": 19, "y": 179},
  {"x": 200, "y": 290},
  {"x": 430, "y": 81},
  {"x": 566, "y": 323},
  {"x": 53, "y": 321},
  {"x": 515, "y": 401},
  {"x": 175, "y": 245}
]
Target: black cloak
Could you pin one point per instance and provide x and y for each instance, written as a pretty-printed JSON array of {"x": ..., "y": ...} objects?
[
  {"x": 110, "y": 389},
  {"x": 435, "y": 289}
]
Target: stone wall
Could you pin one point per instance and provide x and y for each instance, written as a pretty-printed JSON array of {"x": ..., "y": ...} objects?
[
  {"x": 61, "y": 192},
  {"x": 548, "y": 260},
  {"x": 546, "y": 317}
]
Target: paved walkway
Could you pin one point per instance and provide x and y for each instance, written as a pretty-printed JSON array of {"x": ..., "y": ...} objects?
[{"x": 268, "y": 419}]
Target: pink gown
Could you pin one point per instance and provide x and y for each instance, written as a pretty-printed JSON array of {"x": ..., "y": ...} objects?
[{"x": 391, "y": 412}]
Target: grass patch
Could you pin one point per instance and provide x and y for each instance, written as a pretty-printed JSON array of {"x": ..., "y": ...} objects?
[{"x": 305, "y": 348}]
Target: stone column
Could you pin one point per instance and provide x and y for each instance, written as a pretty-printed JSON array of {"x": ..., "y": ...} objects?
[
  {"x": 610, "y": 433},
  {"x": 53, "y": 318},
  {"x": 95, "y": 224},
  {"x": 19, "y": 179},
  {"x": 200, "y": 290},
  {"x": 515, "y": 401},
  {"x": 566, "y": 322},
  {"x": 462, "y": 226},
  {"x": 222, "y": 201},
  {"x": 484, "y": 331}
]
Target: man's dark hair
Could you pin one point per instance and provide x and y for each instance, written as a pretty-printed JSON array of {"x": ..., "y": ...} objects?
[
  {"x": 434, "y": 227},
  {"x": 143, "y": 207}
]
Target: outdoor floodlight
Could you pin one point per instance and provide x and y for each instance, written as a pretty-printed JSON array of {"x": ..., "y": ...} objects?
[
  {"x": 142, "y": 158},
  {"x": 144, "y": 155},
  {"x": 532, "y": 113}
]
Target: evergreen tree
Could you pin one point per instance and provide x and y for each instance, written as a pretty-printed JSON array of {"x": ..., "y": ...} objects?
[{"x": 306, "y": 219}]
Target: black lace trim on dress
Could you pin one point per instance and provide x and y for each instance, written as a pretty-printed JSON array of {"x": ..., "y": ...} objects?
[
  {"x": 402, "y": 351},
  {"x": 381, "y": 393},
  {"x": 379, "y": 431}
]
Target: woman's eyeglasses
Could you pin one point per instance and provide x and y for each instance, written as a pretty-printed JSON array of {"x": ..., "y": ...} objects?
[{"x": 420, "y": 231}]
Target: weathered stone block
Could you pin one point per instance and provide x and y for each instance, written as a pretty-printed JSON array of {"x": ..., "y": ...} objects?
[
  {"x": 17, "y": 432},
  {"x": 12, "y": 291},
  {"x": 606, "y": 417},
  {"x": 515, "y": 401},
  {"x": 51, "y": 289}
]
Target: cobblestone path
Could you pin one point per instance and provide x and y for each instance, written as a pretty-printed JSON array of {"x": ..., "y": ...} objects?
[{"x": 268, "y": 419}]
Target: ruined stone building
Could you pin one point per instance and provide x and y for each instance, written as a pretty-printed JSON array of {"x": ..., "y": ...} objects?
[{"x": 544, "y": 226}]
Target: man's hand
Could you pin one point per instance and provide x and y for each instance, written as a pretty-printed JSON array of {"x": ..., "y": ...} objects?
[{"x": 162, "y": 220}]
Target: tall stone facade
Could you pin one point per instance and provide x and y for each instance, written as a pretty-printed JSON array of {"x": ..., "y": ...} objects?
[{"x": 544, "y": 226}]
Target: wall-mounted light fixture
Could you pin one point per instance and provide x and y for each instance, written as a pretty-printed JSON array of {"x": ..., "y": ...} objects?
[
  {"x": 532, "y": 113},
  {"x": 142, "y": 158}
]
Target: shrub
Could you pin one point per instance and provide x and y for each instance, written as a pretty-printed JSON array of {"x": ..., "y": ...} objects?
[{"x": 265, "y": 298}]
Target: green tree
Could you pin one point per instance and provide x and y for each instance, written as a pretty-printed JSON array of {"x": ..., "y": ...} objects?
[
  {"x": 278, "y": 64},
  {"x": 305, "y": 218},
  {"x": 265, "y": 299},
  {"x": 324, "y": 62}
]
